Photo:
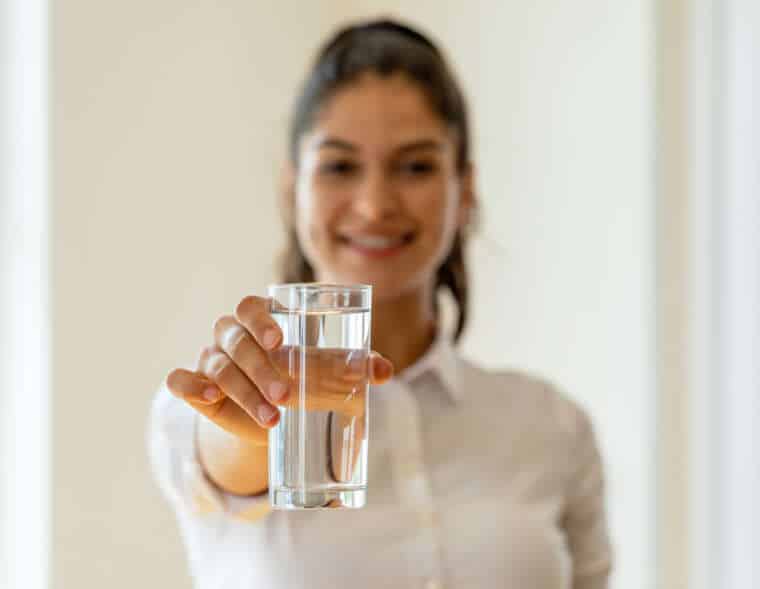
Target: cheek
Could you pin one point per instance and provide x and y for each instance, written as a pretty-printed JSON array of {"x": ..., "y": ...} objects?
[
  {"x": 314, "y": 215},
  {"x": 437, "y": 218}
]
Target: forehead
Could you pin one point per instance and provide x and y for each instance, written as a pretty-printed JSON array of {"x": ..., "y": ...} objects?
[{"x": 377, "y": 111}]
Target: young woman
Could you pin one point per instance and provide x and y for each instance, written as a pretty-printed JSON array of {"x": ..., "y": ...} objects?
[{"x": 476, "y": 479}]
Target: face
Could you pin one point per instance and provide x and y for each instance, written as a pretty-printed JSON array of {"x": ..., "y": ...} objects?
[{"x": 378, "y": 195}]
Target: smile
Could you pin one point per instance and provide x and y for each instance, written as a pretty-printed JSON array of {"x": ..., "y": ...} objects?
[{"x": 377, "y": 246}]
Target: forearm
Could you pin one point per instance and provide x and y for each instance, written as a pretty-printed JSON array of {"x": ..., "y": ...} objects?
[{"x": 231, "y": 463}]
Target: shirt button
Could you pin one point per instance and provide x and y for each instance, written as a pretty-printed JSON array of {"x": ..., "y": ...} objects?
[{"x": 432, "y": 584}]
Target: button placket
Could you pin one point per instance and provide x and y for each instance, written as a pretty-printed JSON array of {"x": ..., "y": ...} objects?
[{"x": 411, "y": 480}]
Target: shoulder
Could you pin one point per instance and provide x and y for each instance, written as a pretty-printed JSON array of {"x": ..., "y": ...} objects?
[{"x": 532, "y": 400}]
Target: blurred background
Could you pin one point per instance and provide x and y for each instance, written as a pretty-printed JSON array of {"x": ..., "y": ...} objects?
[{"x": 617, "y": 145}]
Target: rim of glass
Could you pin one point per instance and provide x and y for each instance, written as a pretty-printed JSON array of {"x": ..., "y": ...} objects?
[{"x": 321, "y": 286}]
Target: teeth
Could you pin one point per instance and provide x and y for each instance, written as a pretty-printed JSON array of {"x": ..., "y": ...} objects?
[{"x": 376, "y": 242}]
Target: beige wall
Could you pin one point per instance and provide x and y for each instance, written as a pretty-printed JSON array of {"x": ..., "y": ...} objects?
[
  {"x": 168, "y": 121},
  {"x": 676, "y": 321},
  {"x": 168, "y": 129}
]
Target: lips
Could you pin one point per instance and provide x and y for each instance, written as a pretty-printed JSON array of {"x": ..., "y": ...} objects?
[{"x": 375, "y": 245}]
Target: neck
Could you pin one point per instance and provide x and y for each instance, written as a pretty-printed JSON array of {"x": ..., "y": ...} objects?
[{"x": 403, "y": 327}]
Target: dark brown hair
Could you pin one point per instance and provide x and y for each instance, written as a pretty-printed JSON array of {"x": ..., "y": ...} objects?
[{"x": 385, "y": 47}]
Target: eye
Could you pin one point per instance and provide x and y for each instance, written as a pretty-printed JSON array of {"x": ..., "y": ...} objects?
[
  {"x": 339, "y": 168},
  {"x": 417, "y": 168}
]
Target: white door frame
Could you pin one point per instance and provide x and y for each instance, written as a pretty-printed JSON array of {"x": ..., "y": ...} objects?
[
  {"x": 24, "y": 297},
  {"x": 709, "y": 293}
]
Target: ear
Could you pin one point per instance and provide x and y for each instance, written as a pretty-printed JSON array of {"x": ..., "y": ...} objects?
[{"x": 467, "y": 198}]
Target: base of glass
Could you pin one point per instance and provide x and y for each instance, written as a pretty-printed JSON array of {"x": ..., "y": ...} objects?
[{"x": 328, "y": 499}]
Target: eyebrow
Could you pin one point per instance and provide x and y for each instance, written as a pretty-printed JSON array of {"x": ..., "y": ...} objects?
[
  {"x": 421, "y": 144},
  {"x": 336, "y": 143}
]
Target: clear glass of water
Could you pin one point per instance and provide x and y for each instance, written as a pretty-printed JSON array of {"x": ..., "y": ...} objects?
[{"x": 318, "y": 450}]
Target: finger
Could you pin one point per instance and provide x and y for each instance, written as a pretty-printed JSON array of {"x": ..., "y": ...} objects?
[
  {"x": 235, "y": 341},
  {"x": 230, "y": 416},
  {"x": 333, "y": 379},
  {"x": 191, "y": 386},
  {"x": 381, "y": 369},
  {"x": 321, "y": 363},
  {"x": 220, "y": 368},
  {"x": 253, "y": 314},
  {"x": 322, "y": 398},
  {"x": 208, "y": 399}
]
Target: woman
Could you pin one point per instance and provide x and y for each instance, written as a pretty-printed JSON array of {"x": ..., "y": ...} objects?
[{"x": 476, "y": 479}]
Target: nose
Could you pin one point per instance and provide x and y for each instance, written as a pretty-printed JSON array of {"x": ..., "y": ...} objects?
[{"x": 376, "y": 198}]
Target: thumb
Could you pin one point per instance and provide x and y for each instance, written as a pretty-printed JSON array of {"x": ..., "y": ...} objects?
[{"x": 381, "y": 369}]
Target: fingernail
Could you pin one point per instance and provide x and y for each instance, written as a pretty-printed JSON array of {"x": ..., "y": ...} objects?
[
  {"x": 211, "y": 394},
  {"x": 271, "y": 336},
  {"x": 277, "y": 390},
  {"x": 382, "y": 369},
  {"x": 266, "y": 413}
]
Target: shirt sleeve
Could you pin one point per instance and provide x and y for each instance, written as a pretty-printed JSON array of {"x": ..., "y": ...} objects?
[
  {"x": 173, "y": 457},
  {"x": 584, "y": 520}
]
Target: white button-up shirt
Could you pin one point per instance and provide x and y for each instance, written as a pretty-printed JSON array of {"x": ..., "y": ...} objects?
[{"x": 475, "y": 480}]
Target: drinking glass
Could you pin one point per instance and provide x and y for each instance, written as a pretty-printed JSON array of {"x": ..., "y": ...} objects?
[{"x": 318, "y": 450}]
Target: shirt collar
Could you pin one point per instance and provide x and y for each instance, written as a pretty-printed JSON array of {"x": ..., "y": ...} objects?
[{"x": 442, "y": 361}]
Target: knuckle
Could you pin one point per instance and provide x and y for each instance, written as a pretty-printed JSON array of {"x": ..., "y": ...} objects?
[
  {"x": 221, "y": 323},
  {"x": 249, "y": 398},
  {"x": 261, "y": 372},
  {"x": 203, "y": 357},
  {"x": 256, "y": 360},
  {"x": 247, "y": 306},
  {"x": 232, "y": 341},
  {"x": 208, "y": 350},
  {"x": 217, "y": 365}
]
